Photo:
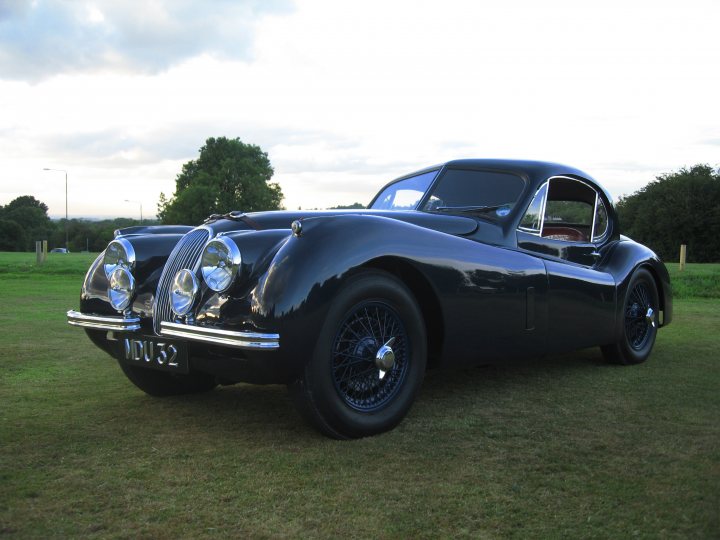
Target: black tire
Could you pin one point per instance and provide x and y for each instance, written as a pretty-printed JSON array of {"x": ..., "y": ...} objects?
[
  {"x": 636, "y": 329},
  {"x": 161, "y": 384},
  {"x": 342, "y": 391}
]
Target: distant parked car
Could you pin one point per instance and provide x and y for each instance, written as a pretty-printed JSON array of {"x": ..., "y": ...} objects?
[
  {"x": 59, "y": 250},
  {"x": 469, "y": 262}
]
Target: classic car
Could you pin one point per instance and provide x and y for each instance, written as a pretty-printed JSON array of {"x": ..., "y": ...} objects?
[{"x": 464, "y": 263}]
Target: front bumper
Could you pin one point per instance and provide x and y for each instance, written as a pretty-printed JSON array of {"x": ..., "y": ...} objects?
[
  {"x": 103, "y": 322},
  {"x": 214, "y": 336}
]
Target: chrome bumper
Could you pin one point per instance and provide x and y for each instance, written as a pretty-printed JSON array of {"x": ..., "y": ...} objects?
[
  {"x": 216, "y": 336},
  {"x": 103, "y": 322}
]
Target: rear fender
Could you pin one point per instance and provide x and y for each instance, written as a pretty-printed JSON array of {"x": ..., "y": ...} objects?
[{"x": 627, "y": 256}]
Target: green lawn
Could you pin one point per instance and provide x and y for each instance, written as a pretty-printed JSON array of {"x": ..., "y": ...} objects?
[
  {"x": 563, "y": 447},
  {"x": 696, "y": 281}
]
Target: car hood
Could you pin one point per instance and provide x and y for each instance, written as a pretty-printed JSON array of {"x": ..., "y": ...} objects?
[{"x": 455, "y": 225}]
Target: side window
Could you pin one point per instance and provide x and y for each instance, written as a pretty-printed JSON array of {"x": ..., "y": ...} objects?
[
  {"x": 570, "y": 211},
  {"x": 532, "y": 220},
  {"x": 601, "y": 220},
  {"x": 404, "y": 194}
]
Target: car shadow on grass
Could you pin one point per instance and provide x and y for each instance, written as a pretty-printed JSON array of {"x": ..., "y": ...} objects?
[
  {"x": 518, "y": 371},
  {"x": 244, "y": 410}
]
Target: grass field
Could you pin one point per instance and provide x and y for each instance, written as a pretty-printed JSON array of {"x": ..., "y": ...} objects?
[{"x": 563, "y": 447}]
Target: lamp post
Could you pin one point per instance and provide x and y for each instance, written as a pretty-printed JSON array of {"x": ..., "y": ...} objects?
[
  {"x": 137, "y": 202},
  {"x": 66, "y": 203}
]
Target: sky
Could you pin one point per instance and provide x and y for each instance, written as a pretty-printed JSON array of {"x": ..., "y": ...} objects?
[{"x": 345, "y": 96}]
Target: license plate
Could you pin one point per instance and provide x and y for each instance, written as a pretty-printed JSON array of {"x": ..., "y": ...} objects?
[{"x": 151, "y": 353}]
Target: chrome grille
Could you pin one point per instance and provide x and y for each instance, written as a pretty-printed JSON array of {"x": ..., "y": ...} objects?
[{"x": 185, "y": 255}]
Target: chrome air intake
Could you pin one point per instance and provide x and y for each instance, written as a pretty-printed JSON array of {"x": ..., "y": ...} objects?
[{"x": 185, "y": 255}]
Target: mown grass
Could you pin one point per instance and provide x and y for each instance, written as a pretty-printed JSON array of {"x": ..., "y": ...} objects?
[
  {"x": 696, "y": 281},
  {"x": 562, "y": 447},
  {"x": 56, "y": 264}
]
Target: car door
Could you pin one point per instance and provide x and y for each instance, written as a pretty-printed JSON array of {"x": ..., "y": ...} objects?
[{"x": 566, "y": 225}]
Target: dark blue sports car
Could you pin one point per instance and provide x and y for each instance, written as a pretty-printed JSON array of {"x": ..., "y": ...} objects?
[{"x": 469, "y": 262}]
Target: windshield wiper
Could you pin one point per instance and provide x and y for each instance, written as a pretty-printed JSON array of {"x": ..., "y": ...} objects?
[{"x": 470, "y": 209}]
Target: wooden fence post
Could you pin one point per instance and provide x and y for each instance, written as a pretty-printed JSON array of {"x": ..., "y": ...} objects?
[
  {"x": 683, "y": 254},
  {"x": 38, "y": 252}
]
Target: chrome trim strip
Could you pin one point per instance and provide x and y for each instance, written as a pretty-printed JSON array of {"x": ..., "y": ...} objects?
[
  {"x": 216, "y": 336},
  {"x": 103, "y": 322},
  {"x": 592, "y": 228},
  {"x": 545, "y": 185},
  {"x": 544, "y": 206},
  {"x": 586, "y": 183}
]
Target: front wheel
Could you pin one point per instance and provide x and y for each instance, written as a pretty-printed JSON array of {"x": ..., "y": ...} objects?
[
  {"x": 639, "y": 323},
  {"x": 369, "y": 361}
]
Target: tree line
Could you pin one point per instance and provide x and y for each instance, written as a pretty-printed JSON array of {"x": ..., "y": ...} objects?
[
  {"x": 25, "y": 220},
  {"x": 681, "y": 207},
  {"x": 676, "y": 208}
]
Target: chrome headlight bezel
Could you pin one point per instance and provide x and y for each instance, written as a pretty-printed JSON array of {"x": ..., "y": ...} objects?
[
  {"x": 118, "y": 254},
  {"x": 183, "y": 292},
  {"x": 220, "y": 263},
  {"x": 121, "y": 288}
]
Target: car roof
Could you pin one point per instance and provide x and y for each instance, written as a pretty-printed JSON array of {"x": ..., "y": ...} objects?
[
  {"x": 535, "y": 172},
  {"x": 521, "y": 166}
]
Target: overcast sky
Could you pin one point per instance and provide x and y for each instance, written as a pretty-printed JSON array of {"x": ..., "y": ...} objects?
[{"x": 344, "y": 96}]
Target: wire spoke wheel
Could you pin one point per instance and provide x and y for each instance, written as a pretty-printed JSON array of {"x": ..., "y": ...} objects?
[
  {"x": 356, "y": 374},
  {"x": 637, "y": 322},
  {"x": 369, "y": 360},
  {"x": 637, "y": 326}
]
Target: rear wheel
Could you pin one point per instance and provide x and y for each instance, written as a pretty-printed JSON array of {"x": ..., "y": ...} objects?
[
  {"x": 161, "y": 384},
  {"x": 369, "y": 360},
  {"x": 639, "y": 324}
]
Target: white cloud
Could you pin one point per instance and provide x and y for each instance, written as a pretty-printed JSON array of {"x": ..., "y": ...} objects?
[{"x": 42, "y": 38}]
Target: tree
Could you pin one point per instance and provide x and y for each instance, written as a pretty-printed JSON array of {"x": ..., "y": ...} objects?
[
  {"x": 228, "y": 175},
  {"x": 30, "y": 215},
  {"x": 12, "y": 237},
  {"x": 682, "y": 207},
  {"x": 92, "y": 235},
  {"x": 353, "y": 206}
]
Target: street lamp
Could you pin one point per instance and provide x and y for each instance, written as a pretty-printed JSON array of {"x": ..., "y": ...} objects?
[
  {"x": 66, "y": 203},
  {"x": 137, "y": 202}
]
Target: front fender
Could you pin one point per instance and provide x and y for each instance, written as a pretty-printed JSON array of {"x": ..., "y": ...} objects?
[
  {"x": 478, "y": 285},
  {"x": 306, "y": 272}
]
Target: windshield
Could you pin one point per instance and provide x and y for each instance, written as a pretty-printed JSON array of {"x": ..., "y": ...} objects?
[
  {"x": 404, "y": 194},
  {"x": 492, "y": 194}
]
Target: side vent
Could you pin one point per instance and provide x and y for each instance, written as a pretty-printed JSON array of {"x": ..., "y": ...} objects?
[{"x": 530, "y": 309}]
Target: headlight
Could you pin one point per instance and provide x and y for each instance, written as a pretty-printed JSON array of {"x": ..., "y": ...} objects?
[
  {"x": 182, "y": 292},
  {"x": 119, "y": 253},
  {"x": 220, "y": 264},
  {"x": 121, "y": 289}
]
